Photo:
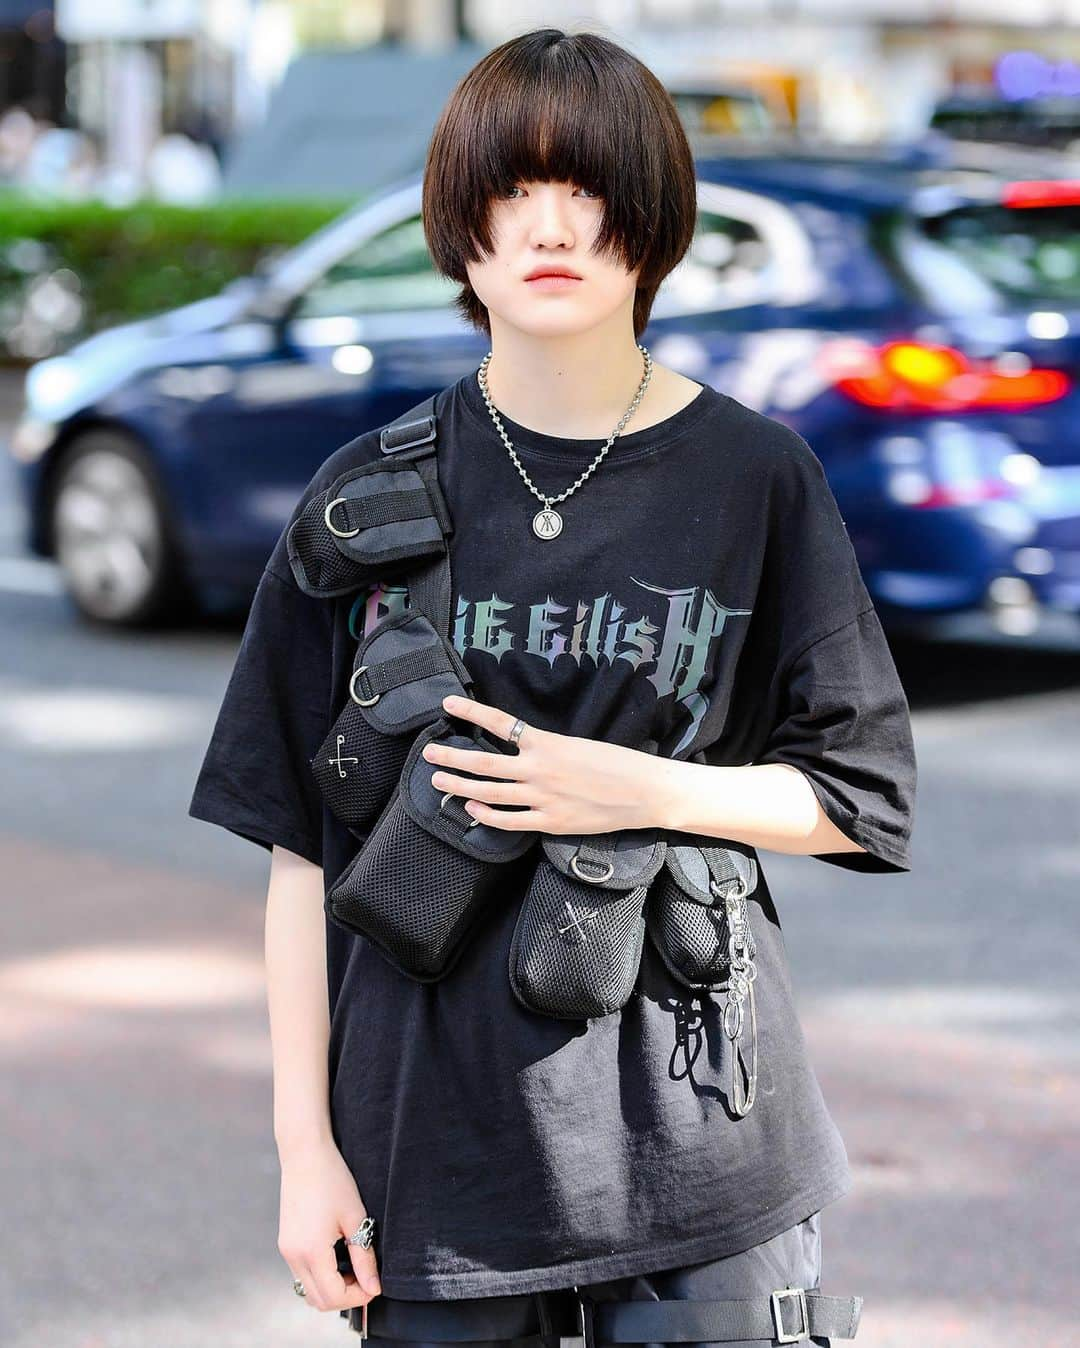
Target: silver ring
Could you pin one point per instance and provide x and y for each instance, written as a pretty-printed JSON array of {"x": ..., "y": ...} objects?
[
  {"x": 364, "y": 1234},
  {"x": 298, "y": 1287},
  {"x": 341, "y": 533},
  {"x": 592, "y": 879},
  {"x": 442, "y": 804},
  {"x": 516, "y": 729},
  {"x": 361, "y": 701}
]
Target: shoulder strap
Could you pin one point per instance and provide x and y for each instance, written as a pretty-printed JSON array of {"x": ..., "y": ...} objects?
[{"x": 414, "y": 435}]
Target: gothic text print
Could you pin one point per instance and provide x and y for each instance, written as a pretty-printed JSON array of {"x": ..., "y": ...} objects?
[{"x": 667, "y": 633}]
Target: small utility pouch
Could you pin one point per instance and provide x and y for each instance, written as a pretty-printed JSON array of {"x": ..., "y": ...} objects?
[
  {"x": 401, "y": 672},
  {"x": 578, "y": 938},
  {"x": 369, "y": 519},
  {"x": 428, "y": 868},
  {"x": 687, "y": 914},
  {"x": 698, "y": 918}
]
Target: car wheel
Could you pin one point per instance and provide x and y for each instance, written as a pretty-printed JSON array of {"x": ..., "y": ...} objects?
[{"x": 111, "y": 535}]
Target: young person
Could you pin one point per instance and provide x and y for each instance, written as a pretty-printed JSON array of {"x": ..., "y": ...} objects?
[{"x": 635, "y": 556}]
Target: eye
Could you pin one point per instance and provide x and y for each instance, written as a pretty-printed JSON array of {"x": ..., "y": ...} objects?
[
  {"x": 514, "y": 187},
  {"x": 593, "y": 192}
]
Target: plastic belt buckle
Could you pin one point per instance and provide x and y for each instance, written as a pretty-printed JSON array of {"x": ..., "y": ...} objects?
[{"x": 803, "y": 1332}]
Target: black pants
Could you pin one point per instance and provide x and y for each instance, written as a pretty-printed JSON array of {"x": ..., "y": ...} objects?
[{"x": 790, "y": 1259}]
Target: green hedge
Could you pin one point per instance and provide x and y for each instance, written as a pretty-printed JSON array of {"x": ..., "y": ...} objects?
[{"x": 135, "y": 260}]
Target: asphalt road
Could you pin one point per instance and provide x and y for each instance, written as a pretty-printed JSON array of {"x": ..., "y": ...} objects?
[{"x": 138, "y": 1169}]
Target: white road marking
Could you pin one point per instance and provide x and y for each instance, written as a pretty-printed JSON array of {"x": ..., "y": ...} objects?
[
  {"x": 92, "y": 720},
  {"x": 30, "y": 575}
]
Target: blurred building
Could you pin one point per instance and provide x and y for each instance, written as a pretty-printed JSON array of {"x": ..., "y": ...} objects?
[
  {"x": 339, "y": 95},
  {"x": 31, "y": 60}
]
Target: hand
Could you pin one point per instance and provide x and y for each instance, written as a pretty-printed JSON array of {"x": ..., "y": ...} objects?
[
  {"x": 568, "y": 784},
  {"x": 319, "y": 1204}
]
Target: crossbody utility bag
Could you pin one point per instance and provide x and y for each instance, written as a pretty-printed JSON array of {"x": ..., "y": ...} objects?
[{"x": 426, "y": 869}]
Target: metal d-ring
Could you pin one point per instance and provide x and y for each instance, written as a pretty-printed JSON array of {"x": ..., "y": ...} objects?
[
  {"x": 361, "y": 701},
  {"x": 592, "y": 879},
  {"x": 472, "y": 822},
  {"x": 340, "y": 533}
]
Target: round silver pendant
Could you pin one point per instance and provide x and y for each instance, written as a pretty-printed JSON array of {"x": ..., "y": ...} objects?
[{"x": 547, "y": 523}]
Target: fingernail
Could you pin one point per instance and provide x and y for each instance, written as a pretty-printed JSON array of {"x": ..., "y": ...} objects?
[
  {"x": 372, "y": 1285},
  {"x": 449, "y": 702}
]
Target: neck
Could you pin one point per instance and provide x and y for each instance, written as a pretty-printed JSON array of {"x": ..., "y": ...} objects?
[{"x": 577, "y": 386}]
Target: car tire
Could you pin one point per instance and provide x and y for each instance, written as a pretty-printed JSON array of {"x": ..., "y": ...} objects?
[{"x": 111, "y": 535}]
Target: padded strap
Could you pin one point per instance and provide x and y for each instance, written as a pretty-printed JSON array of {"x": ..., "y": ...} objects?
[
  {"x": 388, "y": 507},
  {"x": 801, "y": 1312},
  {"x": 374, "y": 680}
]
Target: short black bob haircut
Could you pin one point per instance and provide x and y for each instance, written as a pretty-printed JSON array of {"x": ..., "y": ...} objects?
[{"x": 551, "y": 106}]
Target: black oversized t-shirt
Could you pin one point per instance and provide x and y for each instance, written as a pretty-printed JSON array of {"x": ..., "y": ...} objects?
[{"x": 703, "y": 584}]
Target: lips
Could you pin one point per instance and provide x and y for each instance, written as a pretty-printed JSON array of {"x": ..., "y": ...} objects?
[{"x": 552, "y": 271}]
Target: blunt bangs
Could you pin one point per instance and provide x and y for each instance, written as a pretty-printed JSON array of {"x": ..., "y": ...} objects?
[{"x": 549, "y": 106}]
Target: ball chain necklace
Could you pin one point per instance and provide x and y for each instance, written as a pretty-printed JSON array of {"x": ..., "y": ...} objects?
[{"x": 547, "y": 522}]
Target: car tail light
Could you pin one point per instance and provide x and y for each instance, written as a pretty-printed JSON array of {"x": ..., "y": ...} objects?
[
  {"x": 1051, "y": 192},
  {"x": 920, "y": 377}
]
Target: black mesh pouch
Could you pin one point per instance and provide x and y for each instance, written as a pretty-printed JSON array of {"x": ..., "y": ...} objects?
[
  {"x": 402, "y": 670},
  {"x": 428, "y": 868},
  {"x": 577, "y": 942},
  {"x": 368, "y": 520},
  {"x": 698, "y": 918},
  {"x": 696, "y": 898}
]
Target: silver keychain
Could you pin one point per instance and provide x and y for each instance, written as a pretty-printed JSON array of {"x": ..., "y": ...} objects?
[
  {"x": 547, "y": 522},
  {"x": 741, "y": 974}
]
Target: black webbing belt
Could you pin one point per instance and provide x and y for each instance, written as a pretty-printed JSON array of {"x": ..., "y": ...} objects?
[
  {"x": 787, "y": 1315},
  {"x": 483, "y": 1322}
]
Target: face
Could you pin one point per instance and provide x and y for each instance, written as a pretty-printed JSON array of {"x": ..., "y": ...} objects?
[{"x": 550, "y": 226}]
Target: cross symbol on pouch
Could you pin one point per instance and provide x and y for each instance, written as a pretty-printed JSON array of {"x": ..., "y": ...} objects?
[
  {"x": 577, "y": 922},
  {"x": 339, "y": 760}
]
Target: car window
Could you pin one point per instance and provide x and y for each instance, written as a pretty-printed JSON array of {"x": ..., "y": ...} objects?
[
  {"x": 1030, "y": 253},
  {"x": 729, "y": 263},
  {"x": 985, "y": 256},
  {"x": 392, "y": 270}
]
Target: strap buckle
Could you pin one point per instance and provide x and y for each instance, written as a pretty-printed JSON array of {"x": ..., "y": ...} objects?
[
  {"x": 407, "y": 434},
  {"x": 803, "y": 1332}
]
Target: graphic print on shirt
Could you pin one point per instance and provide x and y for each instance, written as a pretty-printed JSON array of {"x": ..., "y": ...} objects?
[{"x": 673, "y": 651}]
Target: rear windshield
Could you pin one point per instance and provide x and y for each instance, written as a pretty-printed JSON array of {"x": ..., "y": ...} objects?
[{"x": 988, "y": 256}]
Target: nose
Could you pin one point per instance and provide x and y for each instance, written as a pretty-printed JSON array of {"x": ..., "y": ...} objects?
[{"x": 550, "y": 225}]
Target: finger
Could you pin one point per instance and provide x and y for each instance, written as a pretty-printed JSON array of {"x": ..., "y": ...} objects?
[
  {"x": 496, "y": 793},
  {"x": 362, "y": 1257},
  {"x": 297, "y": 1275},
  {"x": 315, "y": 1289},
  {"x": 499, "y": 722},
  {"x": 475, "y": 760},
  {"x": 334, "y": 1291},
  {"x": 513, "y": 820},
  {"x": 366, "y": 1268}
]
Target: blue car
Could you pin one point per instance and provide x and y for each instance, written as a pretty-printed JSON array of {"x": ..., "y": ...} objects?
[{"x": 918, "y": 324}]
